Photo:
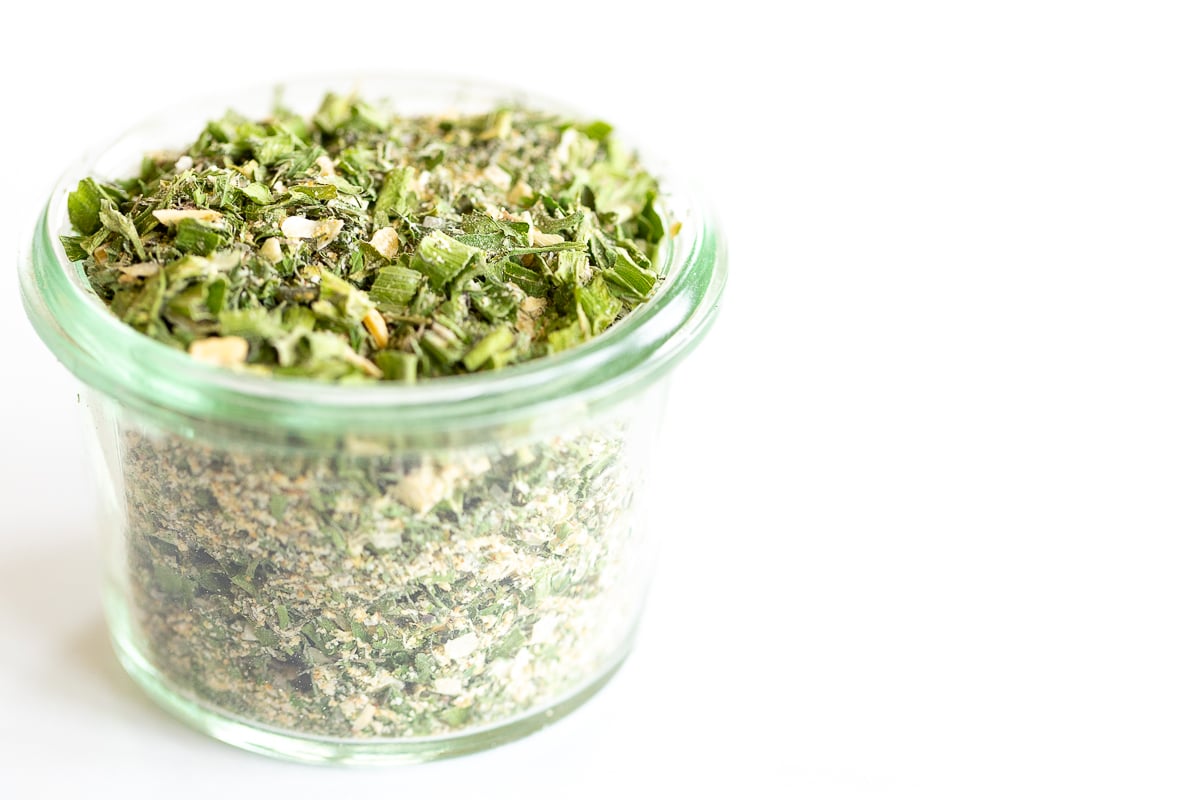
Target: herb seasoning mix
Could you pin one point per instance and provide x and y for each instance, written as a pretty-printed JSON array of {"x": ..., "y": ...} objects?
[{"x": 371, "y": 458}]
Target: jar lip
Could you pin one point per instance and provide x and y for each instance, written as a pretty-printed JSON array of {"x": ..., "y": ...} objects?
[{"x": 106, "y": 353}]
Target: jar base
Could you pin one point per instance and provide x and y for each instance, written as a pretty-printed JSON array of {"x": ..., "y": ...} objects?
[{"x": 316, "y": 750}]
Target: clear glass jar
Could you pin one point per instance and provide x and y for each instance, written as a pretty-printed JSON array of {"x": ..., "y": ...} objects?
[{"x": 372, "y": 573}]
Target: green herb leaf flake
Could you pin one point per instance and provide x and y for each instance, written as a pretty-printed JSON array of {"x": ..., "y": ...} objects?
[{"x": 83, "y": 207}]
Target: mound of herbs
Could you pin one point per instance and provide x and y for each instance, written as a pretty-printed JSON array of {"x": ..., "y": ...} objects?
[{"x": 364, "y": 245}]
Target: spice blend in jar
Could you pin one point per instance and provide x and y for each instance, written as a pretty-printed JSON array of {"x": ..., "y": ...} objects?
[{"x": 370, "y": 456}]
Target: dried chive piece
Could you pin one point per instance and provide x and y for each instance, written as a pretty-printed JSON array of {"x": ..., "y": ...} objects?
[
  {"x": 442, "y": 258},
  {"x": 394, "y": 287},
  {"x": 494, "y": 347},
  {"x": 448, "y": 228}
]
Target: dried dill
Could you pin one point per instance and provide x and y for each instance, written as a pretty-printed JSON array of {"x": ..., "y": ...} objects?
[{"x": 359, "y": 244}]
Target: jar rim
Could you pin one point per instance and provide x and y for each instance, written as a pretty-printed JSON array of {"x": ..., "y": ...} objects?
[{"x": 104, "y": 352}]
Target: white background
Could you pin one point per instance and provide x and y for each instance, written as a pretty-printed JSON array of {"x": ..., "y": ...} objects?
[{"x": 930, "y": 485}]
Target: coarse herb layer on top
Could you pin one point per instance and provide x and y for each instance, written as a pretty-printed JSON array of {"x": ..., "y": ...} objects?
[{"x": 362, "y": 245}]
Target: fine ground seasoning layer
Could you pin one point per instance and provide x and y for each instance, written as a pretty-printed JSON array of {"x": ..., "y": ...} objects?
[
  {"x": 382, "y": 596},
  {"x": 359, "y": 588}
]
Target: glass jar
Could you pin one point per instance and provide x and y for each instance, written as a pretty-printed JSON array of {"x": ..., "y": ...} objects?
[{"x": 371, "y": 573}]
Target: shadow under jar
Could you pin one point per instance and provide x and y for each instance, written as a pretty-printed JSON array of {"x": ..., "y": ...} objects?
[{"x": 371, "y": 573}]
